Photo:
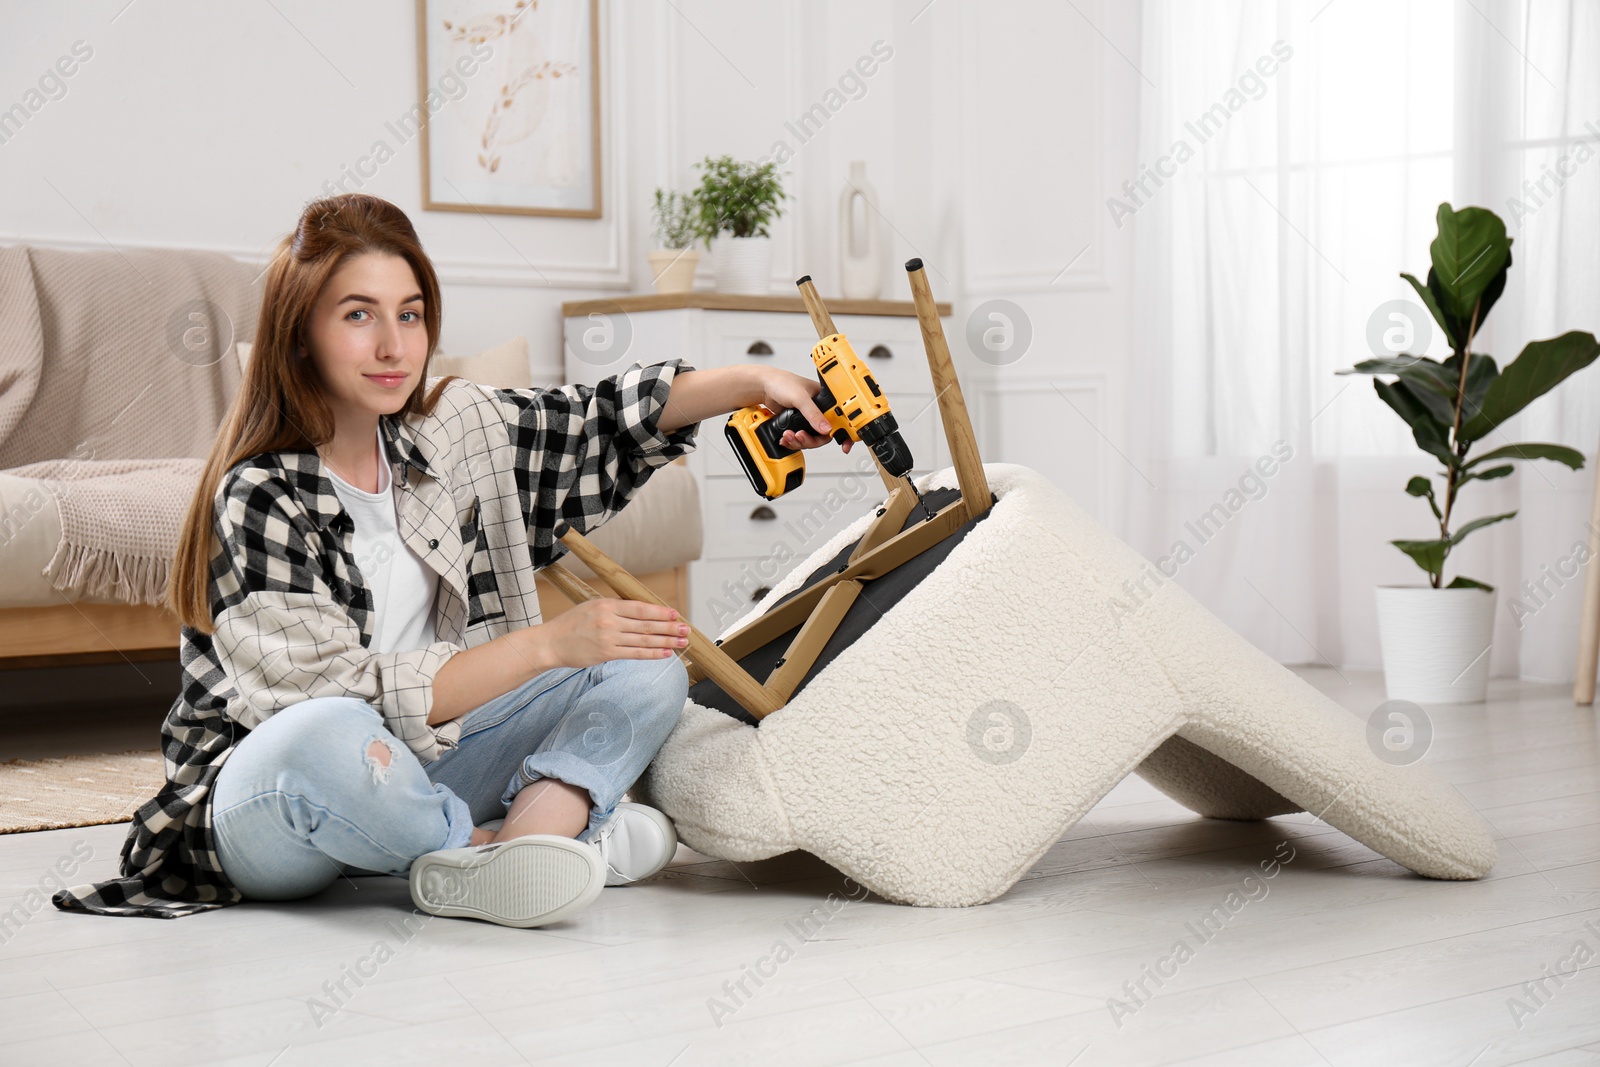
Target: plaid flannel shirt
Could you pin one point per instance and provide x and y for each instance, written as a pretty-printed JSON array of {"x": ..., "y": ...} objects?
[{"x": 486, "y": 484}]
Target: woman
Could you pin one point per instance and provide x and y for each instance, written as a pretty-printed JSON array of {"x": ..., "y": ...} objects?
[{"x": 367, "y": 685}]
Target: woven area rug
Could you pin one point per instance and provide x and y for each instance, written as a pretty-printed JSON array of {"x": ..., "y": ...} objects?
[{"x": 51, "y": 794}]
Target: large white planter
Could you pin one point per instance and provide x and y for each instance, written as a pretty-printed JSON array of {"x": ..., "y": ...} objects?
[
  {"x": 672, "y": 269},
  {"x": 742, "y": 264},
  {"x": 1435, "y": 643}
]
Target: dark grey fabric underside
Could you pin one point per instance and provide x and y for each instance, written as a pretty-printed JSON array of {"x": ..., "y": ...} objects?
[{"x": 877, "y": 597}]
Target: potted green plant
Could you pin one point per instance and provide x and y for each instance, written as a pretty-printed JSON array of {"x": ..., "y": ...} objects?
[
  {"x": 677, "y": 225},
  {"x": 737, "y": 201},
  {"x": 1436, "y": 637}
]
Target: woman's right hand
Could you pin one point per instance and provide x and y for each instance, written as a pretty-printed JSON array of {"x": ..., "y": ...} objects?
[{"x": 607, "y": 628}]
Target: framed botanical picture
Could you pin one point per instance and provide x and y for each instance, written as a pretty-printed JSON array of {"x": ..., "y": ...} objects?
[{"x": 510, "y": 93}]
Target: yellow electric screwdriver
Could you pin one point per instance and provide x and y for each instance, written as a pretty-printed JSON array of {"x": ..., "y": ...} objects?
[{"x": 850, "y": 400}]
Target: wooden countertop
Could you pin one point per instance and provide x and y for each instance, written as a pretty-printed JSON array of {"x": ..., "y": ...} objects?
[{"x": 734, "y": 302}]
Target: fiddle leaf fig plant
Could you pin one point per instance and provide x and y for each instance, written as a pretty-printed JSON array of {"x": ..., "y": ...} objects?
[{"x": 1454, "y": 404}]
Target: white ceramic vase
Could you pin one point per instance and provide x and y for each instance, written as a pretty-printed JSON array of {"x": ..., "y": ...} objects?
[
  {"x": 742, "y": 264},
  {"x": 1435, "y": 643},
  {"x": 672, "y": 269},
  {"x": 860, "y": 247}
]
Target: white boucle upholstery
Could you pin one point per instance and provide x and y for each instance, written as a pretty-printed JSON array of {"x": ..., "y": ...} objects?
[{"x": 904, "y": 797}]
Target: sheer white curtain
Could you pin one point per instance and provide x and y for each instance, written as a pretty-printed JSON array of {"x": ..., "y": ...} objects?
[
  {"x": 1296, "y": 155},
  {"x": 1538, "y": 165}
]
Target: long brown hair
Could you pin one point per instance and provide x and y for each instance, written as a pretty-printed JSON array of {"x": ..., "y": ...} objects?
[{"x": 280, "y": 405}]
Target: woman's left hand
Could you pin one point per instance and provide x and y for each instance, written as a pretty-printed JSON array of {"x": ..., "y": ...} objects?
[{"x": 782, "y": 390}]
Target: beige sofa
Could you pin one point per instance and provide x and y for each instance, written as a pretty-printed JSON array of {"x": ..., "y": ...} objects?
[{"x": 44, "y": 621}]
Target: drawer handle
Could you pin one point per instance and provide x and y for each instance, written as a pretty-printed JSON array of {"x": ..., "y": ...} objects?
[
  {"x": 762, "y": 513},
  {"x": 759, "y": 348},
  {"x": 759, "y": 593},
  {"x": 880, "y": 352}
]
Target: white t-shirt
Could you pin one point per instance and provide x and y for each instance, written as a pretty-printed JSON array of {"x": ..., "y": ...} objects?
[{"x": 403, "y": 587}]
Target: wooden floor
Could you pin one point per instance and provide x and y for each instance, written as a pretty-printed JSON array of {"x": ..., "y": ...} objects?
[{"x": 1343, "y": 958}]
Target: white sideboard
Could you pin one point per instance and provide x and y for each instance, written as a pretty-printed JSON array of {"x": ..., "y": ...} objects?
[{"x": 750, "y": 542}]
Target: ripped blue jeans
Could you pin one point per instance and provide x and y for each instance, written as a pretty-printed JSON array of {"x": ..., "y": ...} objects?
[{"x": 322, "y": 789}]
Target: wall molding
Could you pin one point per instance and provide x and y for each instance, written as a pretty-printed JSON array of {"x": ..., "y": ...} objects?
[
  {"x": 1092, "y": 385},
  {"x": 451, "y": 272},
  {"x": 1089, "y": 272}
]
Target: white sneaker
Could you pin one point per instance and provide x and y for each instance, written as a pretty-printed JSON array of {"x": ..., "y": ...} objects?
[
  {"x": 527, "y": 881},
  {"x": 635, "y": 842}
]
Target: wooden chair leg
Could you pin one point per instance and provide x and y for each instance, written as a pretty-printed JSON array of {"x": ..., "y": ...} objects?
[
  {"x": 820, "y": 318},
  {"x": 724, "y": 669},
  {"x": 577, "y": 590},
  {"x": 952, "y": 408}
]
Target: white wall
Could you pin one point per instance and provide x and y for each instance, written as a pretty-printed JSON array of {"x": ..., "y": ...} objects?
[{"x": 988, "y": 133}]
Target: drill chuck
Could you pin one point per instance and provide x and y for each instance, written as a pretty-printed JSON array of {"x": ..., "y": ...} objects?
[{"x": 882, "y": 434}]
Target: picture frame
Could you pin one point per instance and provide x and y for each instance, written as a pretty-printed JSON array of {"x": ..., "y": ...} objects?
[{"x": 509, "y": 106}]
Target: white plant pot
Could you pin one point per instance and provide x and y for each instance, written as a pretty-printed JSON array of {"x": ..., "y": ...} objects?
[
  {"x": 742, "y": 264},
  {"x": 672, "y": 269},
  {"x": 1435, "y": 643}
]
